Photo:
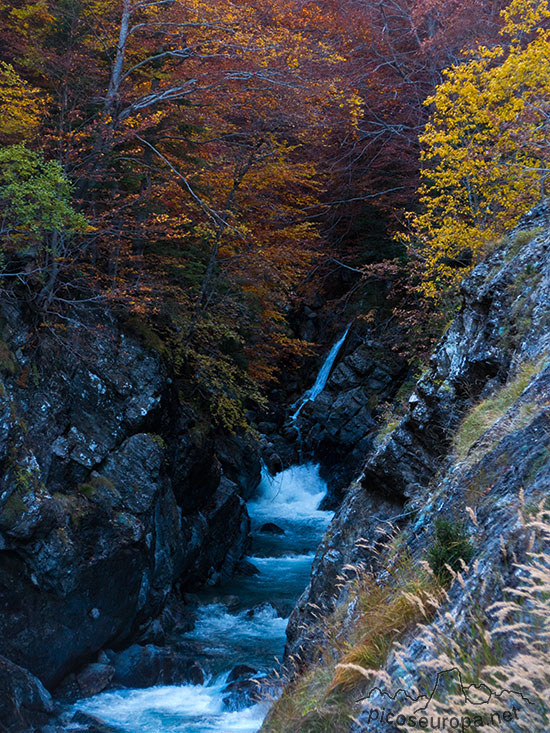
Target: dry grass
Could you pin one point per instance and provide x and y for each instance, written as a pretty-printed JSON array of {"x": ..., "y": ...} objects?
[
  {"x": 323, "y": 698},
  {"x": 409, "y": 595},
  {"x": 505, "y": 651},
  {"x": 484, "y": 415}
]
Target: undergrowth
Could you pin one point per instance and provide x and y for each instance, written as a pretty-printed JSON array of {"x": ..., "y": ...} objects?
[{"x": 323, "y": 698}]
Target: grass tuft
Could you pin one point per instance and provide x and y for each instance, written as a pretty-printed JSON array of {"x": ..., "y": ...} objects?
[{"x": 484, "y": 415}]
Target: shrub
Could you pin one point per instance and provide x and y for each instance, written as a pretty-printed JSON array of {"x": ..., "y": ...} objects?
[{"x": 451, "y": 547}]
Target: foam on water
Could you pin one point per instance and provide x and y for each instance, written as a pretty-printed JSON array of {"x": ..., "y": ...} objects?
[
  {"x": 189, "y": 709},
  {"x": 256, "y": 637},
  {"x": 215, "y": 622},
  {"x": 294, "y": 494}
]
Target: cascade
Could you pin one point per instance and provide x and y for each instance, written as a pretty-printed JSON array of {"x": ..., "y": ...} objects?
[
  {"x": 240, "y": 622},
  {"x": 322, "y": 376},
  {"x": 244, "y": 620}
]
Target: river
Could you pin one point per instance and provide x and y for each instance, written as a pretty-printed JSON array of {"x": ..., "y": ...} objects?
[
  {"x": 244, "y": 620},
  {"x": 233, "y": 632}
]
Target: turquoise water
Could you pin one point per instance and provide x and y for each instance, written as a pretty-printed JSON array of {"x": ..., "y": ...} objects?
[{"x": 225, "y": 628}]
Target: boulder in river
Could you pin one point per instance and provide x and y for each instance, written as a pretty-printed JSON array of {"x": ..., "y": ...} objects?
[
  {"x": 271, "y": 528},
  {"x": 265, "y": 608},
  {"x": 242, "y": 694},
  {"x": 145, "y": 666},
  {"x": 90, "y": 724},
  {"x": 241, "y": 672},
  {"x": 91, "y": 680}
]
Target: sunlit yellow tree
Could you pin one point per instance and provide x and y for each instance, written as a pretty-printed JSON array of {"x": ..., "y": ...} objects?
[
  {"x": 485, "y": 156},
  {"x": 21, "y": 107}
]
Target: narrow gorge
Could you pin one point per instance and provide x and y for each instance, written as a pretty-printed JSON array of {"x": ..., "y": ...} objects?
[
  {"x": 274, "y": 366},
  {"x": 149, "y": 570}
]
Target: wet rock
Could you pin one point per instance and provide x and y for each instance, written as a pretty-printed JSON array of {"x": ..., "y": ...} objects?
[
  {"x": 271, "y": 528},
  {"x": 145, "y": 666},
  {"x": 274, "y": 463},
  {"x": 177, "y": 618},
  {"x": 232, "y": 603},
  {"x": 24, "y": 702},
  {"x": 91, "y": 680},
  {"x": 94, "y": 678},
  {"x": 91, "y": 724},
  {"x": 241, "y": 672},
  {"x": 246, "y": 569},
  {"x": 223, "y": 528},
  {"x": 262, "y": 608},
  {"x": 241, "y": 694}
]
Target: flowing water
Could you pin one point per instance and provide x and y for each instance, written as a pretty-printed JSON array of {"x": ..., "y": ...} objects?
[
  {"x": 235, "y": 625},
  {"x": 243, "y": 621},
  {"x": 322, "y": 377}
]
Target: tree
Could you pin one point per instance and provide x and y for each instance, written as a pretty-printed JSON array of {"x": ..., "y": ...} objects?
[
  {"x": 193, "y": 133},
  {"x": 20, "y": 106},
  {"x": 485, "y": 147},
  {"x": 38, "y": 220}
]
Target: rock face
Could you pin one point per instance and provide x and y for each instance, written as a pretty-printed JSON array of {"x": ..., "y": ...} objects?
[
  {"x": 24, "y": 702},
  {"x": 435, "y": 465},
  {"x": 338, "y": 427},
  {"x": 110, "y": 492}
]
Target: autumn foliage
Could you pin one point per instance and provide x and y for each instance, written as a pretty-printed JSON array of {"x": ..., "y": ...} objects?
[
  {"x": 191, "y": 164},
  {"x": 485, "y": 148}
]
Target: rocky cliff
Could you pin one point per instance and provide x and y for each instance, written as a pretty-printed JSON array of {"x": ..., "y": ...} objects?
[
  {"x": 447, "y": 494},
  {"x": 112, "y": 494},
  {"x": 337, "y": 428}
]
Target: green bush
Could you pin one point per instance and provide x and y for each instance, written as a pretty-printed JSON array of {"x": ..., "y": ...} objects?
[{"x": 450, "y": 547}]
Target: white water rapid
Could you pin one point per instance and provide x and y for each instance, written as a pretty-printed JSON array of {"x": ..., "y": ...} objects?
[
  {"x": 243, "y": 621},
  {"x": 227, "y": 631}
]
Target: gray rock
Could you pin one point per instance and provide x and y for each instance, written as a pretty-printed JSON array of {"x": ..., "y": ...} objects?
[
  {"x": 417, "y": 464},
  {"x": 24, "y": 702},
  {"x": 91, "y": 724},
  {"x": 339, "y": 426},
  {"x": 145, "y": 666},
  {"x": 241, "y": 672},
  {"x": 100, "y": 516},
  {"x": 91, "y": 680}
]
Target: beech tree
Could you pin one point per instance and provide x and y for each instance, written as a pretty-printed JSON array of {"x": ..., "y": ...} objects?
[
  {"x": 192, "y": 132},
  {"x": 486, "y": 146}
]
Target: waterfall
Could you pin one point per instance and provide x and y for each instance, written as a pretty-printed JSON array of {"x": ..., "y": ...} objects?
[
  {"x": 242, "y": 621},
  {"x": 322, "y": 377}
]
